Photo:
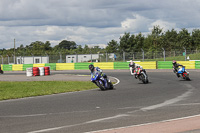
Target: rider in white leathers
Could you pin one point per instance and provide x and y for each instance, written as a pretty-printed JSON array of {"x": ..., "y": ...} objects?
[{"x": 133, "y": 66}]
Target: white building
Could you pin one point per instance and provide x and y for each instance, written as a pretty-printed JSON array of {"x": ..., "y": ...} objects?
[
  {"x": 32, "y": 59},
  {"x": 88, "y": 57}
]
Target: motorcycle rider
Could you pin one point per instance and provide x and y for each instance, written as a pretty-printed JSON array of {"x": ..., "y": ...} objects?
[
  {"x": 176, "y": 67},
  {"x": 95, "y": 71},
  {"x": 132, "y": 67},
  {"x": 136, "y": 69}
]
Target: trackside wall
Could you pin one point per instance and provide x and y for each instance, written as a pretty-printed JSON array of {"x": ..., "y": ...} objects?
[{"x": 102, "y": 65}]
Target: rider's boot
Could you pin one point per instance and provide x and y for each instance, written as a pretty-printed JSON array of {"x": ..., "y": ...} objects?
[{"x": 178, "y": 75}]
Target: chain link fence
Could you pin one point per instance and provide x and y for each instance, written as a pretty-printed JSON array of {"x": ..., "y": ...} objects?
[{"x": 103, "y": 57}]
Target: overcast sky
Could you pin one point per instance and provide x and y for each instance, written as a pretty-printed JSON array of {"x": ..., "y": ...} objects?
[{"x": 93, "y": 22}]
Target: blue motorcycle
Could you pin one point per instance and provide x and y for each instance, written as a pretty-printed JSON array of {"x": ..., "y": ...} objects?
[{"x": 102, "y": 81}]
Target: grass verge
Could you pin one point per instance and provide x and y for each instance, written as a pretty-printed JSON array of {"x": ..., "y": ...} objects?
[{"x": 14, "y": 90}]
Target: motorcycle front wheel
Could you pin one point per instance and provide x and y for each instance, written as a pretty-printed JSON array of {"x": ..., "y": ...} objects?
[{"x": 145, "y": 81}]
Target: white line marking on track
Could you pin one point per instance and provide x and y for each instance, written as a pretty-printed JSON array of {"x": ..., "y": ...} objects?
[
  {"x": 145, "y": 124},
  {"x": 118, "y": 81},
  {"x": 168, "y": 102},
  {"x": 107, "y": 118}
]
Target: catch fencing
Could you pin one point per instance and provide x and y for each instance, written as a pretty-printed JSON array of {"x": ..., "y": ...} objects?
[{"x": 102, "y": 57}]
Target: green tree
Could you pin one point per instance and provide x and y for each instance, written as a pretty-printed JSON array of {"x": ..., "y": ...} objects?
[
  {"x": 196, "y": 39},
  {"x": 139, "y": 42},
  {"x": 156, "y": 34},
  {"x": 125, "y": 43},
  {"x": 170, "y": 40},
  {"x": 112, "y": 47},
  {"x": 67, "y": 45},
  {"x": 184, "y": 39}
]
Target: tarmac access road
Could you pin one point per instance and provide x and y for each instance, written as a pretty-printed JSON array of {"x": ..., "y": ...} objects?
[{"x": 167, "y": 104}]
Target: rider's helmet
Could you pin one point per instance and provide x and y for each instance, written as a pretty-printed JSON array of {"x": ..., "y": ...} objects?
[
  {"x": 91, "y": 67},
  {"x": 173, "y": 62},
  {"x": 132, "y": 63}
]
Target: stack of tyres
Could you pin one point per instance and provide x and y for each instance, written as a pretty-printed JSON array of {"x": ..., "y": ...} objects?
[
  {"x": 36, "y": 71},
  {"x": 41, "y": 71},
  {"x": 46, "y": 70},
  {"x": 29, "y": 72}
]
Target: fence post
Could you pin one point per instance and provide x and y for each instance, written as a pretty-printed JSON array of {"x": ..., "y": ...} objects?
[
  {"x": 106, "y": 57},
  {"x": 142, "y": 54},
  {"x": 123, "y": 56},
  {"x": 164, "y": 53},
  {"x": 60, "y": 57},
  {"x": 91, "y": 55},
  {"x": 76, "y": 58},
  {"x": 185, "y": 54},
  {"x": 33, "y": 57},
  {"x": 8, "y": 59},
  {"x": 1, "y": 59}
]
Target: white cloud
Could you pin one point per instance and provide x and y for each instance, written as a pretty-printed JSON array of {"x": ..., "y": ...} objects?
[
  {"x": 100, "y": 45},
  {"x": 136, "y": 24},
  {"x": 163, "y": 24}
]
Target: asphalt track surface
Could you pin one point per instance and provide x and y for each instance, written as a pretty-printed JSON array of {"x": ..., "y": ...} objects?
[{"x": 131, "y": 104}]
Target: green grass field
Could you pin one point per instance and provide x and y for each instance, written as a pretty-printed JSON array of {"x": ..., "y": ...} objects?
[{"x": 14, "y": 90}]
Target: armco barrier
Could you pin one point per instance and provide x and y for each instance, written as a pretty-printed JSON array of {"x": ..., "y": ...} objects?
[
  {"x": 197, "y": 64},
  {"x": 168, "y": 64},
  {"x": 121, "y": 65},
  {"x": 148, "y": 65},
  {"x": 164, "y": 65},
  {"x": 25, "y": 66},
  {"x": 104, "y": 65},
  {"x": 38, "y": 65},
  {"x": 82, "y": 66},
  {"x": 187, "y": 64},
  {"x": 51, "y": 65},
  {"x": 17, "y": 67},
  {"x": 7, "y": 67},
  {"x": 64, "y": 66}
]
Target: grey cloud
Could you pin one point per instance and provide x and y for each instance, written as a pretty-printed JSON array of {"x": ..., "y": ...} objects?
[{"x": 89, "y": 21}]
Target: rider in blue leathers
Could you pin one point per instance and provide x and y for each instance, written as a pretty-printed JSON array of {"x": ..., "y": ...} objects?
[
  {"x": 176, "y": 67},
  {"x": 95, "y": 71}
]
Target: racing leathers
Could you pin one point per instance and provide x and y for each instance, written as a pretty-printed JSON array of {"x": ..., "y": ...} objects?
[
  {"x": 176, "y": 67},
  {"x": 97, "y": 71},
  {"x": 136, "y": 68},
  {"x": 132, "y": 67}
]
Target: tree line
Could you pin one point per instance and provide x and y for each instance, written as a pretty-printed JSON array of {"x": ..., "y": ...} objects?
[{"x": 157, "y": 40}]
